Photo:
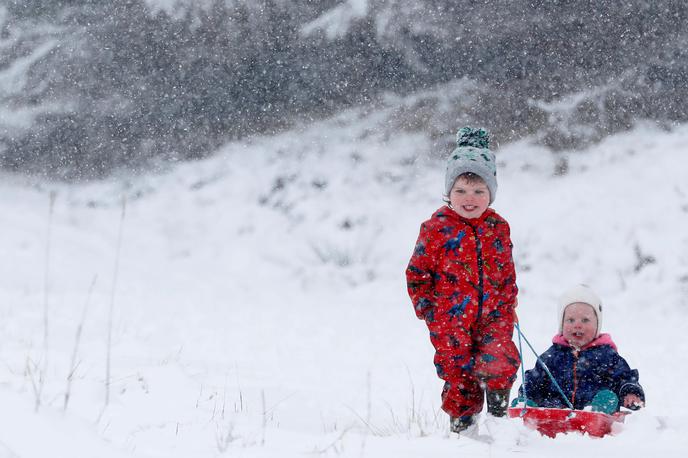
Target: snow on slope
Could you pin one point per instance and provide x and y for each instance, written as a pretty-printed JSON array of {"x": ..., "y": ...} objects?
[{"x": 260, "y": 306}]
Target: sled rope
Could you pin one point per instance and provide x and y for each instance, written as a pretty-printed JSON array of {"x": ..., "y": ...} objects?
[
  {"x": 523, "y": 372},
  {"x": 544, "y": 366}
]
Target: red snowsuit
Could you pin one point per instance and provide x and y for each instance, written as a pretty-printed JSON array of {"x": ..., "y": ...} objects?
[{"x": 462, "y": 282}]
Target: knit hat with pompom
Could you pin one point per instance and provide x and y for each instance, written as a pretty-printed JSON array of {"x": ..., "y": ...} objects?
[{"x": 472, "y": 154}]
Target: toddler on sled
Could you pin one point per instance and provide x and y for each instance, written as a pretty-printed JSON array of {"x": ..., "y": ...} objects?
[{"x": 584, "y": 362}]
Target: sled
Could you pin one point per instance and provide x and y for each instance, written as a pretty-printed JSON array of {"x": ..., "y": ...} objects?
[{"x": 550, "y": 422}]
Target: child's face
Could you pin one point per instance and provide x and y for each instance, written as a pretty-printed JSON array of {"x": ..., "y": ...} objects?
[
  {"x": 469, "y": 199},
  {"x": 580, "y": 324}
]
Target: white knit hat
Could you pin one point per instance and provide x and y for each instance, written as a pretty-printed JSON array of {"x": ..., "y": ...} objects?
[{"x": 585, "y": 295}]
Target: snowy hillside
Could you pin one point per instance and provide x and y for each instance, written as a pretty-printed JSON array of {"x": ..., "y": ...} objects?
[{"x": 259, "y": 305}]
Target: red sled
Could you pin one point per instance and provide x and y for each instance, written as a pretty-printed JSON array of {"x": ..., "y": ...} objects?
[{"x": 550, "y": 422}]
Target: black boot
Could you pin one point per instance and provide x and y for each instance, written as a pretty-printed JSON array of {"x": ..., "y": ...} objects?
[
  {"x": 497, "y": 402},
  {"x": 460, "y": 424}
]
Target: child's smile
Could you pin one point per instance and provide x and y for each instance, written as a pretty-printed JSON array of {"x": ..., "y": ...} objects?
[{"x": 469, "y": 199}]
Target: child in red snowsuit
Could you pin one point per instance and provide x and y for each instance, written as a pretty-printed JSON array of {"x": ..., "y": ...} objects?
[{"x": 462, "y": 282}]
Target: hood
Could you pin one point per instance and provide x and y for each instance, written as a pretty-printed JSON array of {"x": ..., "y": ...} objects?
[{"x": 603, "y": 339}]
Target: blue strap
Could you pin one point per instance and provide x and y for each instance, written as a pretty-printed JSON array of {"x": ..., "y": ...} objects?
[
  {"x": 544, "y": 366},
  {"x": 523, "y": 373}
]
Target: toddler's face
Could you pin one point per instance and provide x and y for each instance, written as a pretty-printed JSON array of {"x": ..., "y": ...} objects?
[
  {"x": 580, "y": 324},
  {"x": 469, "y": 199}
]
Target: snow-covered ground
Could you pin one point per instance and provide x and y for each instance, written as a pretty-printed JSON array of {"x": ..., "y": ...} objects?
[{"x": 259, "y": 305}]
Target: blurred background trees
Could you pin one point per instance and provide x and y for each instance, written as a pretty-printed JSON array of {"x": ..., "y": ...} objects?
[{"x": 89, "y": 87}]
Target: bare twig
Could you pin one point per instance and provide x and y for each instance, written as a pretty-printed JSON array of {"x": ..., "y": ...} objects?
[
  {"x": 30, "y": 373},
  {"x": 77, "y": 340},
  {"x": 265, "y": 414},
  {"x": 333, "y": 445},
  {"x": 38, "y": 390},
  {"x": 369, "y": 408},
  {"x": 373, "y": 429},
  {"x": 224, "y": 436},
  {"x": 115, "y": 274}
]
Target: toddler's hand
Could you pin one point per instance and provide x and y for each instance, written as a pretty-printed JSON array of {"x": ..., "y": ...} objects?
[{"x": 633, "y": 402}]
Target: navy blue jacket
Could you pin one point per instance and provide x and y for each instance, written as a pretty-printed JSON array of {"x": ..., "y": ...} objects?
[{"x": 582, "y": 374}]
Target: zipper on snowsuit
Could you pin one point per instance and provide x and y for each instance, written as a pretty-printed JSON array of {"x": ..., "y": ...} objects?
[
  {"x": 479, "y": 253},
  {"x": 575, "y": 377}
]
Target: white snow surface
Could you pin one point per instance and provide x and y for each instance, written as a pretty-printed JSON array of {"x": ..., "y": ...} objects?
[{"x": 259, "y": 304}]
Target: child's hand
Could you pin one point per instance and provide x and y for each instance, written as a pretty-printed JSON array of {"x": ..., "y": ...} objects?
[{"x": 633, "y": 402}]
